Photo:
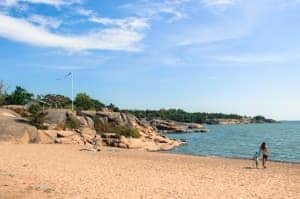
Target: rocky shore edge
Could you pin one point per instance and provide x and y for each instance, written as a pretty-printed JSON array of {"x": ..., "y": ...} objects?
[{"x": 91, "y": 130}]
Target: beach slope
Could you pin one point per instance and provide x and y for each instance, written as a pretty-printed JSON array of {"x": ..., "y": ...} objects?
[{"x": 63, "y": 171}]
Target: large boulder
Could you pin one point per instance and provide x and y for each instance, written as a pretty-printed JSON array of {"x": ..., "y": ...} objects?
[
  {"x": 57, "y": 116},
  {"x": 47, "y": 136},
  {"x": 15, "y": 128},
  {"x": 168, "y": 126},
  {"x": 86, "y": 122}
]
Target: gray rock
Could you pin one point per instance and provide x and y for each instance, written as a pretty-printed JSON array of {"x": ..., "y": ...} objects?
[
  {"x": 15, "y": 128},
  {"x": 57, "y": 116}
]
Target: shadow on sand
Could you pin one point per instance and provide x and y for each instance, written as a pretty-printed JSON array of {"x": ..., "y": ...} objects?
[{"x": 250, "y": 168}]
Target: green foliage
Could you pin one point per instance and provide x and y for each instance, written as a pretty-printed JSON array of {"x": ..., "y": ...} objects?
[
  {"x": 259, "y": 117},
  {"x": 37, "y": 117},
  {"x": 118, "y": 130},
  {"x": 85, "y": 102},
  {"x": 127, "y": 132},
  {"x": 98, "y": 105},
  {"x": 72, "y": 123},
  {"x": 2, "y": 93},
  {"x": 113, "y": 108},
  {"x": 262, "y": 119},
  {"x": 57, "y": 101},
  {"x": 2, "y": 99},
  {"x": 180, "y": 115},
  {"x": 19, "y": 96}
]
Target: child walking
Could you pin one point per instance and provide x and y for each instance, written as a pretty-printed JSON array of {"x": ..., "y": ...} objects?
[{"x": 256, "y": 158}]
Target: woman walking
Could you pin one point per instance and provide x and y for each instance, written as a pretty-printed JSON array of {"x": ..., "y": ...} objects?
[{"x": 264, "y": 151}]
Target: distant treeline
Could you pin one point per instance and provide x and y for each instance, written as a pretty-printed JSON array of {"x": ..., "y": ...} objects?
[
  {"x": 181, "y": 115},
  {"x": 20, "y": 96},
  {"x": 83, "y": 101}
]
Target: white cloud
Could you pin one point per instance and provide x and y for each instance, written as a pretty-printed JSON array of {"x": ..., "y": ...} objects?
[
  {"x": 84, "y": 12},
  {"x": 52, "y": 2},
  {"x": 217, "y": 3},
  {"x": 131, "y": 23},
  {"x": 105, "y": 39},
  {"x": 10, "y": 3},
  {"x": 46, "y": 22},
  {"x": 153, "y": 8}
]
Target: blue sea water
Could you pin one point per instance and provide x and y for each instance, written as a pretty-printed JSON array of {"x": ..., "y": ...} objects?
[{"x": 242, "y": 141}]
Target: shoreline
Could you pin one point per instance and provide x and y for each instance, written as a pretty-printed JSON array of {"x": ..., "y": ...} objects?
[{"x": 224, "y": 157}]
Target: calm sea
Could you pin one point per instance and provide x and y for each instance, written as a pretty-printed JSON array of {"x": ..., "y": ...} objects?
[{"x": 242, "y": 141}]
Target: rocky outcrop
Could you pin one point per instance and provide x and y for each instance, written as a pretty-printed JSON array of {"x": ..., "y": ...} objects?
[
  {"x": 169, "y": 126},
  {"x": 14, "y": 128},
  {"x": 261, "y": 119},
  {"x": 149, "y": 137},
  {"x": 56, "y": 118},
  {"x": 86, "y": 122},
  {"x": 19, "y": 109},
  {"x": 83, "y": 136},
  {"x": 155, "y": 143},
  {"x": 243, "y": 120}
]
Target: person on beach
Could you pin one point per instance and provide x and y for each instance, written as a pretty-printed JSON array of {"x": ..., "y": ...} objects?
[
  {"x": 95, "y": 143},
  {"x": 256, "y": 158},
  {"x": 263, "y": 150}
]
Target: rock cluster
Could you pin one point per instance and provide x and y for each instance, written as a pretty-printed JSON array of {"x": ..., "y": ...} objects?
[
  {"x": 14, "y": 126},
  {"x": 168, "y": 126},
  {"x": 149, "y": 138}
]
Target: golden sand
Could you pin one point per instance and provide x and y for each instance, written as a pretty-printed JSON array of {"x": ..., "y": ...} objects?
[{"x": 63, "y": 171}]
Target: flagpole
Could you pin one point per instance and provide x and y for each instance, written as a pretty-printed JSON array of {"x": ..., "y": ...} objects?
[{"x": 72, "y": 91}]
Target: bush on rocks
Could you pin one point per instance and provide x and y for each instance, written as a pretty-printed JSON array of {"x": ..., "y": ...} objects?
[
  {"x": 72, "y": 123},
  {"x": 118, "y": 130},
  {"x": 37, "y": 116}
]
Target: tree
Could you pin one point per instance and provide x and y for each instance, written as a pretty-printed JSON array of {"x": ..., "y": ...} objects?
[
  {"x": 19, "y": 96},
  {"x": 84, "y": 101},
  {"x": 98, "y": 105},
  {"x": 113, "y": 108},
  {"x": 57, "y": 100},
  {"x": 2, "y": 93}
]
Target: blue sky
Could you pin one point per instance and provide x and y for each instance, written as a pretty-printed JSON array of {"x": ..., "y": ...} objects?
[{"x": 231, "y": 56}]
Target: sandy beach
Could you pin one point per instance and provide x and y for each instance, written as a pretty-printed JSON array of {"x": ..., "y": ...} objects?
[{"x": 63, "y": 171}]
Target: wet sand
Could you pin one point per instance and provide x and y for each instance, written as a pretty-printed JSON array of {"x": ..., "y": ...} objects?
[{"x": 63, "y": 171}]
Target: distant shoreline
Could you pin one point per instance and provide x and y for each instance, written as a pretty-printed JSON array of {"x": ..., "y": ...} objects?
[{"x": 226, "y": 157}]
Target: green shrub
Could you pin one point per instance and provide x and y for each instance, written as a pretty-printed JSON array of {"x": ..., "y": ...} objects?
[
  {"x": 37, "y": 116},
  {"x": 72, "y": 123},
  {"x": 2, "y": 99},
  {"x": 19, "y": 96},
  {"x": 127, "y": 132},
  {"x": 84, "y": 102},
  {"x": 117, "y": 129}
]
